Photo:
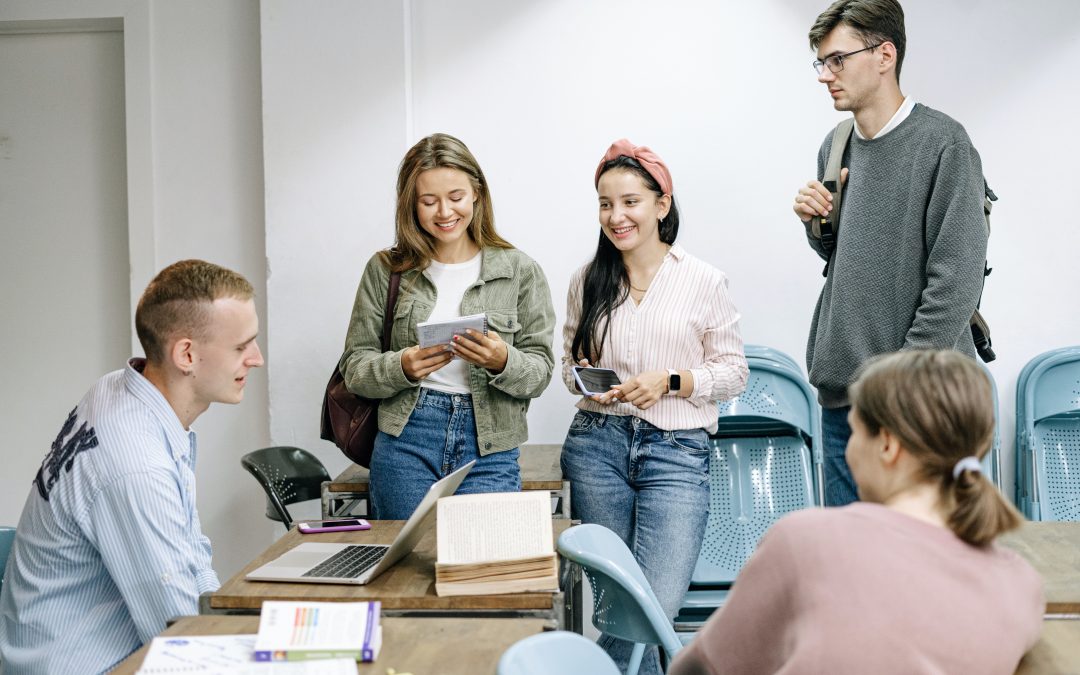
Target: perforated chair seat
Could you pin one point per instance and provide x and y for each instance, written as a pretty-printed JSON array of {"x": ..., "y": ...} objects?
[{"x": 1056, "y": 441}]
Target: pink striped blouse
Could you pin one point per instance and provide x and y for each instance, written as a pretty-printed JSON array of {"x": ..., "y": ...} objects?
[{"x": 686, "y": 321}]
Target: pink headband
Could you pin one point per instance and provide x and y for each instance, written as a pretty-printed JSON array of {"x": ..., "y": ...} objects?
[{"x": 648, "y": 160}]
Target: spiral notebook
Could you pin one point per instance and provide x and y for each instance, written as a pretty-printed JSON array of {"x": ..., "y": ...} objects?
[{"x": 431, "y": 333}]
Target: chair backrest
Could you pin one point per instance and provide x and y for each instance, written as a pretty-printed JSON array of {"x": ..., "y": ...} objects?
[
  {"x": 753, "y": 482},
  {"x": 288, "y": 475},
  {"x": 1048, "y": 447},
  {"x": 557, "y": 652},
  {"x": 624, "y": 604}
]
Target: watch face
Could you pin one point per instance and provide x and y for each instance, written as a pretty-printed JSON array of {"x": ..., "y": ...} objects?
[{"x": 674, "y": 382}]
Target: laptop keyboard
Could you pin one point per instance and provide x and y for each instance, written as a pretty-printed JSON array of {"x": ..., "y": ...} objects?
[{"x": 349, "y": 563}]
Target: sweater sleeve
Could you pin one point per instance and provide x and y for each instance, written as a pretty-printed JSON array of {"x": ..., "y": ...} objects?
[
  {"x": 956, "y": 251},
  {"x": 748, "y": 634},
  {"x": 822, "y": 159}
]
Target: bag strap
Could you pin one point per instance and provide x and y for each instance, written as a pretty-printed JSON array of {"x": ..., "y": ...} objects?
[
  {"x": 827, "y": 229},
  {"x": 388, "y": 314}
]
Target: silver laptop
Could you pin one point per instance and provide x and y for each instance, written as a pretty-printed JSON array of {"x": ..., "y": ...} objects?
[{"x": 358, "y": 564}]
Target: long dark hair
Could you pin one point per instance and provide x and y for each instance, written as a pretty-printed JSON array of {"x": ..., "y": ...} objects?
[{"x": 607, "y": 283}]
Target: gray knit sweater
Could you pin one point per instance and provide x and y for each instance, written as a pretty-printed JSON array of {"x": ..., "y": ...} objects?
[{"x": 908, "y": 268}]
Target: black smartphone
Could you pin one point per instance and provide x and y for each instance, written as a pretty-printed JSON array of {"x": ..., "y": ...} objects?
[{"x": 595, "y": 380}]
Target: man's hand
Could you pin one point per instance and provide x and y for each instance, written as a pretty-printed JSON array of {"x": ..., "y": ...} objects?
[
  {"x": 419, "y": 363},
  {"x": 814, "y": 200},
  {"x": 487, "y": 351}
]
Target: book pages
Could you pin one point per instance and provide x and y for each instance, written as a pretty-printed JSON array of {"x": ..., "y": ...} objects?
[{"x": 495, "y": 526}]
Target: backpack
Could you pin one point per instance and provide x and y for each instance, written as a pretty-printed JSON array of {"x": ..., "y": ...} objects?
[{"x": 827, "y": 230}]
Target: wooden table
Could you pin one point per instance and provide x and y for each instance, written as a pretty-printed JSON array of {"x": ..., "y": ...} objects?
[
  {"x": 1053, "y": 549},
  {"x": 410, "y": 645},
  {"x": 1058, "y": 651},
  {"x": 406, "y": 589},
  {"x": 540, "y": 470}
]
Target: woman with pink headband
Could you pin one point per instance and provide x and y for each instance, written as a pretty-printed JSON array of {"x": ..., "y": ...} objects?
[{"x": 637, "y": 454}]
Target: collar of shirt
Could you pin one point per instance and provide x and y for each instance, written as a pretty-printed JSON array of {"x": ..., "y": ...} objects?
[
  {"x": 676, "y": 251},
  {"x": 181, "y": 441},
  {"x": 899, "y": 116}
]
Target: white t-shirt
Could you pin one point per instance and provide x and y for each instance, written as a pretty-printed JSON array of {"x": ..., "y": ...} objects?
[{"x": 451, "y": 281}]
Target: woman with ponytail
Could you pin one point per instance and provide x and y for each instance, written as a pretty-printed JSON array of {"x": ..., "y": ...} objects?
[
  {"x": 906, "y": 581},
  {"x": 637, "y": 455}
]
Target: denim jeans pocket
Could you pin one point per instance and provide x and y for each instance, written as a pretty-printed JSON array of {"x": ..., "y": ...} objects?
[
  {"x": 693, "y": 441},
  {"x": 583, "y": 421}
]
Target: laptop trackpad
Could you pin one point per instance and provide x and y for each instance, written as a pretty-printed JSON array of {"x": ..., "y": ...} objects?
[{"x": 308, "y": 555}]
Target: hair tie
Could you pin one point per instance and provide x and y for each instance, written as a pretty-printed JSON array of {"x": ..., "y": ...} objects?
[
  {"x": 649, "y": 160},
  {"x": 969, "y": 463}
]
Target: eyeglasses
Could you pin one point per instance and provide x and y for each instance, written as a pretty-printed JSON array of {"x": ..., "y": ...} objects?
[{"x": 836, "y": 61}]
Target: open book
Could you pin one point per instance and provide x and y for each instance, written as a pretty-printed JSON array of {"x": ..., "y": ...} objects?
[{"x": 495, "y": 543}]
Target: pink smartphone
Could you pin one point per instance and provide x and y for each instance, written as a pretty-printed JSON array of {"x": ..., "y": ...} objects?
[{"x": 340, "y": 525}]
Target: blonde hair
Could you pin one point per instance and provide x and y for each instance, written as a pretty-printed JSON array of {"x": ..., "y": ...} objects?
[
  {"x": 940, "y": 406},
  {"x": 413, "y": 247},
  {"x": 177, "y": 302}
]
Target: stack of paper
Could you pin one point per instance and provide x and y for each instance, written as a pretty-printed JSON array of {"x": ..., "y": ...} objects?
[
  {"x": 297, "y": 631},
  {"x": 495, "y": 543},
  {"x": 227, "y": 655}
]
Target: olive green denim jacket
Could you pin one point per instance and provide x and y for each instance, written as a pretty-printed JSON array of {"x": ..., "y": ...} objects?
[{"x": 511, "y": 290}]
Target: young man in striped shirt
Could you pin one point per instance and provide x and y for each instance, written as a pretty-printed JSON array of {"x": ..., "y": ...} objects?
[{"x": 109, "y": 545}]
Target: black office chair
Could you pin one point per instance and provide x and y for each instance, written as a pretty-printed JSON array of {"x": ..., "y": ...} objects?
[{"x": 288, "y": 475}]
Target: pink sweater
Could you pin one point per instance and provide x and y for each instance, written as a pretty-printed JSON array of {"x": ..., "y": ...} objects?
[{"x": 865, "y": 589}]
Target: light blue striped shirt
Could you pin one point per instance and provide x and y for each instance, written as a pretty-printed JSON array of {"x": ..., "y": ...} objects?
[{"x": 109, "y": 545}]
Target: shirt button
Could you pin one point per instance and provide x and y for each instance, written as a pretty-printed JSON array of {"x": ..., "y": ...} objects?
[
  {"x": 165, "y": 578},
  {"x": 487, "y": 446}
]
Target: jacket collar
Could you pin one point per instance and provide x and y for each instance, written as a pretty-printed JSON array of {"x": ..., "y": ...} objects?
[{"x": 495, "y": 263}]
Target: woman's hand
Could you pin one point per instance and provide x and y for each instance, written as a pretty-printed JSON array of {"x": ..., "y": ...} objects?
[
  {"x": 419, "y": 363},
  {"x": 487, "y": 351},
  {"x": 642, "y": 390}
]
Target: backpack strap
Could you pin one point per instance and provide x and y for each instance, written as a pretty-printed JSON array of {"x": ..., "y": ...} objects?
[{"x": 828, "y": 229}]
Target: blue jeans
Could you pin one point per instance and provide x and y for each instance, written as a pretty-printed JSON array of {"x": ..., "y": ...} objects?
[
  {"x": 649, "y": 486},
  {"x": 439, "y": 437},
  {"x": 839, "y": 483}
]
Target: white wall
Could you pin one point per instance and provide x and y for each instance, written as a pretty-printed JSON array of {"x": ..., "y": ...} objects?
[
  {"x": 723, "y": 91},
  {"x": 194, "y": 144}
]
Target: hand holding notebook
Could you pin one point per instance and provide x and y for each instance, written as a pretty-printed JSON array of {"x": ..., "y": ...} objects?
[{"x": 431, "y": 333}]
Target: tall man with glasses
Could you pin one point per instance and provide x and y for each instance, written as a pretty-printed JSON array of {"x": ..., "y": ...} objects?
[{"x": 906, "y": 270}]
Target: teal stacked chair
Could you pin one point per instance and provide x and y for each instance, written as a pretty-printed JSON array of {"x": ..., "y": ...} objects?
[
  {"x": 624, "y": 605},
  {"x": 765, "y": 462},
  {"x": 991, "y": 461},
  {"x": 287, "y": 475},
  {"x": 7, "y": 538},
  {"x": 557, "y": 652},
  {"x": 1048, "y": 436}
]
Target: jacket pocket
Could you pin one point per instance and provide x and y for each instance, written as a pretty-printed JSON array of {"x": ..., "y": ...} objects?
[{"x": 505, "y": 323}]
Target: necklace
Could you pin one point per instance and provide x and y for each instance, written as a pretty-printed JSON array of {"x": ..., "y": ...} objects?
[{"x": 639, "y": 290}]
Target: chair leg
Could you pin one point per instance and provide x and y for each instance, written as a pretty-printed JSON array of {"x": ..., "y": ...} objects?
[{"x": 635, "y": 658}]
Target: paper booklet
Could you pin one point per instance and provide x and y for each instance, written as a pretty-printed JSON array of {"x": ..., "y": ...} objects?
[
  {"x": 227, "y": 655},
  {"x": 296, "y": 631},
  {"x": 431, "y": 333},
  {"x": 495, "y": 543}
]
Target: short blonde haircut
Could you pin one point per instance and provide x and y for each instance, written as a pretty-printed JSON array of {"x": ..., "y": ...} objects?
[
  {"x": 940, "y": 406},
  {"x": 177, "y": 303}
]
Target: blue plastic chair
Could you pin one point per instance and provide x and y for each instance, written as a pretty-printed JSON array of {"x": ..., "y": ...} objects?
[
  {"x": 556, "y": 653},
  {"x": 1048, "y": 436},
  {"x": 765, "y": 462},
  {"x": 991, "y": 461},
  {"x": 7, "y": 538},
  {"x": 624, "y": 605}
]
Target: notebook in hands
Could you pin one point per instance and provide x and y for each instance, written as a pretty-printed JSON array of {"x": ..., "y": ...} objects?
[{"x": 319, "y": 563}]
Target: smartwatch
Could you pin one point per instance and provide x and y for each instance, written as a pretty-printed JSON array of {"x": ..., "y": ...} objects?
[{"x": 674, "y": 380}]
